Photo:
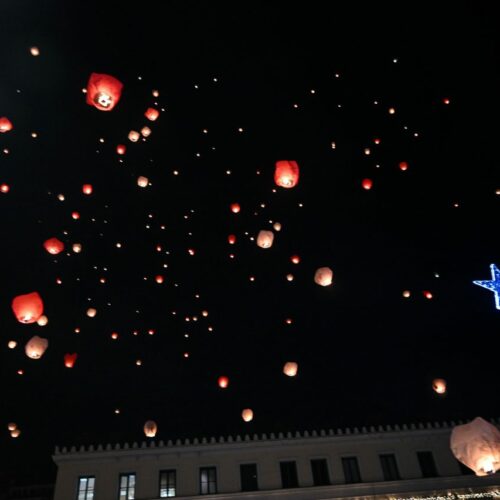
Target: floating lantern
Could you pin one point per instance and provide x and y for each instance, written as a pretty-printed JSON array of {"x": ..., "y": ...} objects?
[
  {"x": 286, "y": 173},
  {"x": 477, "y": 445},
  {"x": 15, "y": 433},
  {"x": 231, "y": 239},
  {"x": 42, "y": 321},
  {"x": 121, "y": 149},
  {"x": 34, "y": 51},
  {"x": 12, "y": 426},
  {"x": 152, "y": 114},
  {"x": 235, "y": 208},
  {"x": 4, "y": 188},
  {"x": 150, "y": 428},
  {"x": 323, "y": 276},
  {"x": 134, "y": 136},
  {"x": 403, "y": 165},
  {"x": 295, "y": 259},
  {"x": 5, "y": 125},
  {"x": 103, "y": 91},
  {"x": 77, "y": 247},
  {"x": 35, "y": 347},
  {"x": 12, "y": 344},
  {"x": 70, "y": 360},
  {"x": 91, "y": 312},
  {"x": 277, "y": 226},
  {"x": 87, "y": 189},
  {"x": 223, "y": 382},
  {"x": 406, "y": 294},
  {"x": 439, "y": 385},
  {"x": 265, "y": 239},
  {"x": 367, "y": 184},
  {"x": 427, "y": 294},
  {"x": 159, "y": 279},
  {"x": 247, "y": 415},
  {"x": 145, "y": 131},
  {"x": 142, "y": 181},
  {"x": 53, "y": 246},
  {"x": 75, "y": 215},
  {"x": 290, "y": 369},
  {"x": 27, "y": 308}
]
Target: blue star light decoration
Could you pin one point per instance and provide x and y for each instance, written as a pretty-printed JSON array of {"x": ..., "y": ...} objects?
[{"x": 493, "y": 284}]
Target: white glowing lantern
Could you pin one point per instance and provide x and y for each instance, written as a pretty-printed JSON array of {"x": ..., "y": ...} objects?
[
  {"x": 477, "y": 445},
  {"x": 134, "y": 136},
  {"x": 77, "y": 247},
  {"x": 290, "y": 369},
  {"x": 247, "y": 415},
  {"x": 277, "y": 226},
  {"x": 142, "y": 181},
  {"x": 35, "y": 347},
  {"x": 12, "y": 426},
  {"x": 35, "y": 51},
  {"x": 323, "y": 276},
  {"x": 42, "y": 320},
  {"x": 150, "y": 428},
  {"x": 91, "y": 312},
  {"x": 439, "y": 385},
  {"x": 145, "y": 131},
  {"x": 12, "y": 344},
  {"x": 265, "y": 239}
]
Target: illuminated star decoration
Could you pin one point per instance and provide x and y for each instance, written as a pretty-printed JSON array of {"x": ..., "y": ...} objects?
[{"x": 493, "y": 284}]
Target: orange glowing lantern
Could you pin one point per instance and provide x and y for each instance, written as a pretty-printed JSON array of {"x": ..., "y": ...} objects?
[
  {"x": 247, "y": 415},
  {"x": 295, "y": 259},
  {"x": 134, "y": 136},
  {"x": 145, "y": 131},
  {"x": 87, "y": 189},
  {"x": 439, "y": 385},
  {"x": 103, "y": 91},
  {"x": 477, "y": 445},
  {"x": 4, "y": 188},
  {"x": 5, "y": 125},
  {"x": 223, "y": 382},
  {"x": 42, "y": 321},
  {"x": 35, "y": 347},
  {"x": 142, "y": 181},
  {"x": 53, "y": 246},
  {"x": 231, "y": 239},
  {"x": 70, "y": 360},
  {"x": 323, "y": 276},
  {"x": 91, "y": 312},
  {"x": 367, "y": 184},
  {"x": 150, "y": 428},
  {"x": 75, "y": 215},
  {"x": 12, "y": 426},
  {"x": 403, "y": 165},
  {"x": 15, "y": 433},
  {"x": 290, "y": 369},
  {"x": 27, "y": 308},
  {"x": 152, "y": 114},
  {"x": 286, "y": 173},
  {"x": 235, "y": 208},
  {"x": 159, "y": 279},
  {"x": 265, "y": 239},
  {"x": 121, "y": 149}
]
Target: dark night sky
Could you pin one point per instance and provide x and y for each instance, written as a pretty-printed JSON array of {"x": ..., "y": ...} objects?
[{"x": 366, "y": 355}]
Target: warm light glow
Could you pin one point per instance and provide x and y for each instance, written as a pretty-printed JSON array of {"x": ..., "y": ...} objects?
[
  {"x": 53, "y": 246},
  {"x": 403, "y": 165},
  {"x": 134, "y": 136},
  {"x": 103, "y": 91},
  {"x": 91, "y": 312},
  {"x": 286, "y": 173},
  {"x": 70, "y": 360},
  {"x": 295, "y": 259},
  {"x": 42, "y": 321},
  {"x": 439, "y": 385},
  {"x": 406, "y": 294},
  {"x": 323, "y": 276},
  {"x": 150, "y": 428},
  {"x": 223, "y": 382},
  {"x": 145, "y": 131},
  {"x": 77, "y": 247},
  {"x": 235, "y": 208},
  {"x": 159, "y": 279},
  {"x": 28, "y": 308},
  {"x": 231, "y": 239},
  {"x": 87, "y": 189},
  {"x": 152, "y": 114},
  {"x": 290, "y": 369},
  {"x": 5, "y": 125},
  {"x": 121, "y": 149},
  {"x": 142, "y": 181},
  {"x": 277, "y": 226},
  {"x": 265, "y": 239},
  {"x": 34, "y": 51},
  {"x": 367, "y": 184},
  {"x": 247, "y": 415},
  {"x": 35, "y": 347}
]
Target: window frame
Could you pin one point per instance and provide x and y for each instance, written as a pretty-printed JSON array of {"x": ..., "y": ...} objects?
[
  {"x": 86, "y": 491},
  {"x": 127, "y": 475},
  {"x": 418, "y": 453},
  {"x": 396, "y": 465},
  {"x": 343, "y": 460},
  {"x": 242, "y": 464},
  {"x": 208, "y": 468},
  {"x": 167, "y": 471},
  {"x": 294, "y": 462},
  {"x": 328, "y": 474}
]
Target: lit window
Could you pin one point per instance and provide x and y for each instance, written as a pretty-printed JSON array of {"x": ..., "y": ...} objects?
[
  {"x": 208, "y": 480},
  {"x": 86, "y": 488},
  {"x": 127, "y": 487},
  {"x": 167, "y": 483}
]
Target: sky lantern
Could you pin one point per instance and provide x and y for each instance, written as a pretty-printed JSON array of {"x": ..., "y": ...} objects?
[
  {"x": 4, "y": 188},
  {"x": 286, "y": 173},
  {"x": 42, "y": 320},
  {"x": 145, "y": 131},
  {"x": 134, "y": 136},
  {"x": 12, "y": 344},
  {"x": 427, "y": 294},
  {"x": 27, "y": 308},
  {"x": 142, "y": 181},
  {"x": 15, "y": 433},
  {"x": 5, "y": 125},
  {"x": 159, "y": 279},
  {"x": 235, "y": 208},
  {"x": 277, "y": 226},
  {"x": 477, "y": 445},
  {"x": 75, "y": 215},
  {"x": 367, "y": 184},
  {"x": 91, "y": 312},
  {"x": 152, "y": 114},
  {"x": 150, "y": 429},
  {"x": 295, "y": 259},
  {"x": 403, "y": 165},
  {"x": 77, "y": 247},
  {"x": 265, "y": 239},
  {"x": 53, "y": 246},
  {"x": 12, "y": 426},
  {"x": 247, "y": 415},
  {"x": 223, "y": 382},
  {"x": 35, "y": 347},
  {"x": 406, "y": 294},
  {"x": 323, "y": 276},
  {"x": 87, "y": 189},
  {"x": 231, "y": 239},
  {"x": 121, "y": 149},
  {"x": 290, "y": 369},
  {"x": 34, "y": 51},
  {"x": 70, "y": 360},
  {"x": 439, "y": 385},
  {"x": 103, "y": 91}
]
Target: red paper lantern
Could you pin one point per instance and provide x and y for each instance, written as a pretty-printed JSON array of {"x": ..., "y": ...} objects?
[
  {"x": 152, "y": 114},
  {"x": 403, "y": 165},
  {"x": 54, "y": 246},
  {"x": 5, "y": 125},
  {"x": 295, "y": 259},
  {"x": 121, "y": 149},
  {"x": 70, "y": 360},
  {"x": 103, "y": 91},
  {"x": 4, "y": 188},
  {"x": 286, "y": 173},
  {"x": 231, "y": 239},
  {"x": 75, "y": 215},
  {"x": 27, "y": 308},
  {"x": 367, "y": 184},
  {"x": 87, "y": 189},
  {"x": 235, "y": 208},
  {"x": 159, "y": 279},
  {"x": 223, "y": 382}
]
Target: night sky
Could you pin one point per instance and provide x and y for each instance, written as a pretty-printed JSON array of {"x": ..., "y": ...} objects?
[{"x": 241, "y": 86}]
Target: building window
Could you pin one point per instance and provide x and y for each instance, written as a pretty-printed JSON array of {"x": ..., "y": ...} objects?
[
  {"x": 389, "y": 467},
  {"x": 208, "y": 480},
  {"x": 320, "y": 474},
  {"x": 248, "y": 473},
  {"x": 167, "y": 483},
  {"x": 127, "y": 487},
  {"x": 427, "y": 464},
  {"x": 86, "y": 488},
  {"x": 289, "y": 477},
  {"x": 351, "y": 470}
]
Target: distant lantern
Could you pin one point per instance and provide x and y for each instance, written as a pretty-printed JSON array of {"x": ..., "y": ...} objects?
[
  {"x": 103, "y": 91},
  {"x": 42, "y": 320},
  {"x": 35, "y": 347},
  {"x": 121, "y": 149},
  {"x": 150, "y": 428},
  {"x": 75, "y": 215},
  {"x": 4, "y": 188},
  {"x": 403, "y": 165},
  {"x": 134, "y": 136},
  {"x": 5, "y": 125},
  {"x": 439, "y": 385},
  {"x": 27, "y": 308},
  {"x": 367, "y": 184},
  {"x": 406, "y": 294},
  {"x": 277, "y": 226},
  {"x": 12, "y": 344},
  {"x": 286, "y": 173},
  {"x": 53, "y": 246},
  {"x": 235, "y": 208},
  {"x": 15, "y": 433},
  {"x": 159, "y": 279},
  {"x": 87, "y": 189},
  {"x": 323, "y": 276},
  {"x": 145, "y": 131},
  {"x": 265, "y": 239},
  {"x": 223, "y": 382},
  {"x": 247, "y": 415},
  {"x": 289, "y": 277},
  {"x": 12, "y": 426},
  {"x": 77, "y": 247},
  {"x": 231, "y": 239},
  {"x": 91, "y": 312},
  {"x": 34, "y": 51},
  {"x": 142, "y": 181},
  {"x": 70, "y": 360},
  {"x": 427, "y": 294},
  {"x": 477, "y": 445},
  {"x": 290, "y": 369},
  {"x": 295, "y": 259},
  {"x": 152, "y": 114}
]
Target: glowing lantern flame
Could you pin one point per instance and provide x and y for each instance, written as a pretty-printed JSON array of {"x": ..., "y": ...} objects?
[
  {"x": 53, "y": 246},
  {"x": 235, "y": 208},
  {"x": 231, "y": 239},
  {"x": 70, "y": 360},
  {"x": 277, "y": 226},
  {"x": 42, "y": 321},
  {"x": 265, "y": 239},
  {"x": 223, "y": 382},
  {"x": 145, "y": 131},
  {"x": 290, "y": 369},
  {"x": 403, "y": 165},
  {"x": 35, "y": 347},
  {"x": 295, "y": 259},
  {"x": 323, "y": 276},
  {"x": 477, "y": 445},
  {"x": 142, "y": 181},
  {"x": 150, "y": 428},
  {"x": 77, "y": 247},
  {"x": 439, "y": 385},
  {"x": 28, "y": 308},
  {"x": 87, "y": 189},
  {"x": 367, "y": 184},
  {"x": 247, "y": 415},
  {"x": 15, "y": 433},
  {"x": 286, "y": 173},
  {"x": 91, "y": 312},
  {"x": 121, "y": 149},
  {"x": 12, "y": 426},
  {"x": 134, "y": 136},
  {"x": 5, "y": 125},
  {"x": 159, "y": 279},
  {"x": 152, "y": 114},
  {"x": 103, "y": 91},
  {"x": 4, "y": 188}
]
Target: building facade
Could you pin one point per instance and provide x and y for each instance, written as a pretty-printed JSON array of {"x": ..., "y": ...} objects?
[{"x": 393, "y": 463}]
